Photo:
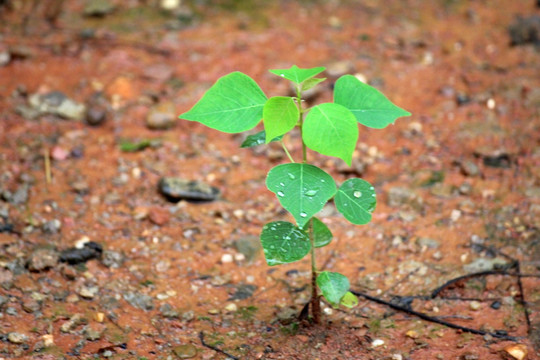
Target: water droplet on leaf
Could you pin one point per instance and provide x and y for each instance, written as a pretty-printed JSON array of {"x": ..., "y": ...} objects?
[
  {"x": 303, "y": 214},
  {"x": 280, "y": 193},
  {"x": 311, "y": 192},
  {"x": 291, "y": 176},
  {"x": 357, "y": 194}
]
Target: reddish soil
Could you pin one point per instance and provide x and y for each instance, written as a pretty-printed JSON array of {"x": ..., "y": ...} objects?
[{"x": 469, "y": 158}]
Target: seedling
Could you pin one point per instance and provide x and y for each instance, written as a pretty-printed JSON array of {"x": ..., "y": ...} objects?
[{"x": 235, "y": 103}]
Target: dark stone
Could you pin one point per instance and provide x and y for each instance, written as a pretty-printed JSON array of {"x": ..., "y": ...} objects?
[
  {"x": 138, "y": 300},
  {"x": 462, "y": 99},
  {"x": 497, "y": 158},
  {"x": 243, "y": 291},
  {"x": 496, "y": 305},
  {"x": 525, "y": 31},
  {"x": 90, "y": 250},
  {"x": 176, "y": 189},
  {"x": 95, "y": 115},
  {"x": 6, "y": 226},
  {"x": 168, "y": 311},
  {"x": 77, "y": 152},
  {"x": 96, "y": 109},
  {"x": 3, "y": 301},
  {"x": 291, "y": 273}
]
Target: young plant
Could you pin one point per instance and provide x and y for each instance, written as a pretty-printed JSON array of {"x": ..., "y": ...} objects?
[{"x": 235, "y": 103}]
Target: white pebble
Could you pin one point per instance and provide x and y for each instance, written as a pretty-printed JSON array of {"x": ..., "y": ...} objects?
[
  {"x": 327, "y": 311},
  {"x": 239, "y": 257},
  {"x": 226, "y": 258},
  {"x": 377, "y": 342},
  {"x": 455, "y": 215},
  {"x": 79, "y": 244},
  {"x": 231, "y": 307}
]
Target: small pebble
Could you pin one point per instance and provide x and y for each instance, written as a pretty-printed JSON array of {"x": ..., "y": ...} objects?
[
  {"x": 496, "y": 305},
  {"x": 48, "y": 340},
  {"x": 88, "y": 292},
  {"x": 187, "y": 351},
  {"x": 475, "y": 305},
  {"x": 99, "y": 317},
  {"x": 162, "y": 116},
  {"x": 377, "y": 343},
  {"x": 17, "y": 338},
  {"x": 455, "y": 215},
  {"x": 226, "y": 258},
  {"x": 413, "y": 334},
  {"x": 517, "y": 351},
  {"x": 231, "y": 307},
  {"x": 239, "y": 257},
  {"x": 328, "y": 311}
]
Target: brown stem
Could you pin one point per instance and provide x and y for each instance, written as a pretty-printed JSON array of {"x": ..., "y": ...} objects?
[{"x": 315, "y": 304}]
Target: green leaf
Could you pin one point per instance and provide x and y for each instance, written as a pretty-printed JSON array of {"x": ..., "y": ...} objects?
[
  {"x": 302, "y": 189},
  {"x": 355, "y": 199},
  {"x": 283, "y": 242},
  {"x": 322, "y": 235},
  {"x": 296, "y": 74},
  {"x": 134, "y": 146},
  {"x": 280, "y": 115},
  {"x": 349, "y": 300},
  {"x": 331, "y": 129},
  {"x": 370, "y": 107},
  {"x": 232, "y": 105},
  {"x": 333, "y": 286},
  {"x": 310, "y": 83},
  {"x": 257, "y": 139}
]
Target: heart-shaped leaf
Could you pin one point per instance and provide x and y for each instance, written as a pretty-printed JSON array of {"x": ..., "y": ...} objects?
[
  {"x": 257, "y": 139},
  {"x": 322, "y": 235},
  {"x": 296, "y": 74},
  {"x": 232, "y": 105},
  {"x": 333, "y": 286},
  {"x": 370, "y": 107},
  {"x": 302, "y": 189},
  {"x": 332, "y": 130},
  {"x": 283, "y": 243},
  {"x": 355, "y": 199},
  {"x": 280, "y": 115}
]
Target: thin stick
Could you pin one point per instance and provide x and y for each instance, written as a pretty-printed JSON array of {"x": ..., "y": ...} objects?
[
  {"x": 47, "y": 160},
  {"x": 433, "y": 319},
  {"x": 201, "y": 337}
]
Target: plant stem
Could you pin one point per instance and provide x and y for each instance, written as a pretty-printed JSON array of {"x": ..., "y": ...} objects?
[
  {"x": 286, "y": 151},
  {"x": 315, "y": 304}
]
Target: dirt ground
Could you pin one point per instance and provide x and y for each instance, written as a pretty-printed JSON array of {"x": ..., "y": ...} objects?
[{"x": 96, "y": 263}]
